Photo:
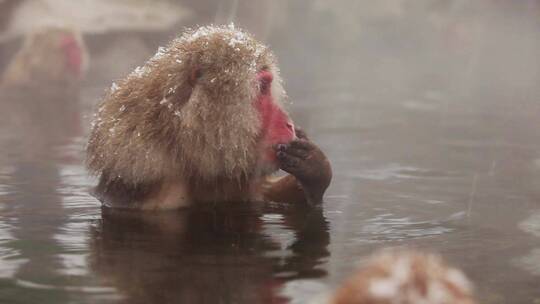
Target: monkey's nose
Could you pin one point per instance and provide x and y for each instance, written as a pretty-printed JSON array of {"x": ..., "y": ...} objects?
[{"x": 290, "y": 128}]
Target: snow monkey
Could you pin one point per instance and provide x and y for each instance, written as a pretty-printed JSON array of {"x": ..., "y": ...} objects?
[
  {"x": 39, "y": 93},
  {"x": 202, "y": 121},
  {"x": 405, "y": 276},
  {"x": 52, "y": 61}
]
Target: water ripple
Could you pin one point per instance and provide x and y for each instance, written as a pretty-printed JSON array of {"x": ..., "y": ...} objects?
[{"x": 386, "y": 227}]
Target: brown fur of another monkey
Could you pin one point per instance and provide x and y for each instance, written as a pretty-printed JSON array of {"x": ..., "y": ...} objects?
[
  {"x": 184, "y": 124},
  {"x": 41, "y": 64},
  {"x": 408, "y": 277}
]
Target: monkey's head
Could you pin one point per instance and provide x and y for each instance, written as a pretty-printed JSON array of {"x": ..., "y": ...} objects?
[
  {"x": 50, "y": 56},
  {"x": 405, "y": 276},
  {"x": 207, "y": 106}
]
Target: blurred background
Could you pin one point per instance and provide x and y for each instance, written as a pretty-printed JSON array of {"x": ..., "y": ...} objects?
[{"x": 429, "y": 111}]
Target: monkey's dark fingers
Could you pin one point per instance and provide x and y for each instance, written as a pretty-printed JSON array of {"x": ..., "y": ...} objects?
[
  {"x": 301, "y": 144},
  {"x": 300, "y": 133},
  {"x": 299, "y": 150},
  {"x": 287, "y": 162}
]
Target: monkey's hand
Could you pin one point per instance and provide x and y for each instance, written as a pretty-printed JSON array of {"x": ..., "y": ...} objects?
[{"x": 308, "y": 164}]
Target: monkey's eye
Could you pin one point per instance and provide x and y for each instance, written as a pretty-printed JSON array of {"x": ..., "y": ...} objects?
[
  {"x": 264, "y": 86},
  {"x": 265, "y": 81}
]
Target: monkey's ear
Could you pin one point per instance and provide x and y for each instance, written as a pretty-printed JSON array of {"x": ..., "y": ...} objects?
[
  {"x": 196, "y": 73},
  {"x": 180, "y": 95}
]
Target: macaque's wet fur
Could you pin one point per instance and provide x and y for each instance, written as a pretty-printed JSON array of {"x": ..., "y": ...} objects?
[{"x": 187, "y": 115}]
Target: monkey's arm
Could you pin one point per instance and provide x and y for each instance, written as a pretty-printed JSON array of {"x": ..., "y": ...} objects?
[
  {"x": 285, "y": 189},
  {"x": 310, "y": 173}
]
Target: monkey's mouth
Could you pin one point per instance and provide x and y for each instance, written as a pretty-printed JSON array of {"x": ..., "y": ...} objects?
[
  {"x": 281, "y": 135},
  {"x": 269, "y": 162},
  {"x": 270, "y": 155}
]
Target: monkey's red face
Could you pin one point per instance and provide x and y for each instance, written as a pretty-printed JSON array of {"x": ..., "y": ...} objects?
[
  {"x": 73, "y": 54},
  {"x": 277, "y": 127}
]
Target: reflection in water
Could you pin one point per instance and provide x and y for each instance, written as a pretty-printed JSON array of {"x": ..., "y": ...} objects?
[
  {"x": 532, "y": 224},
  {"x": 386, "y": 227},
  {"x": 230, "y": 251},
  {"x": 397, "y": 171},
  {"x": 531, "y": 261},
  {"x": 34, "y": 212},
  {"x": 73, "y": 234},
  {"x": 9, "y": 256}
]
